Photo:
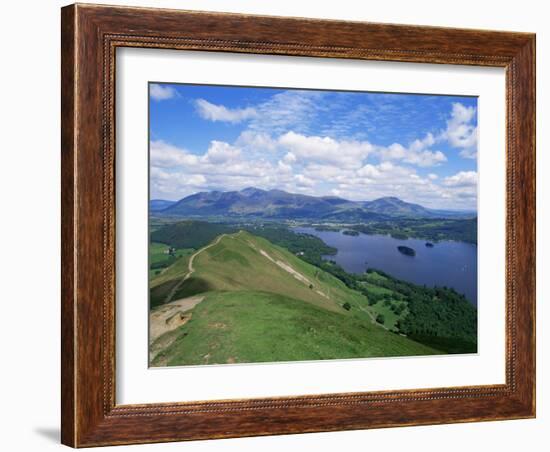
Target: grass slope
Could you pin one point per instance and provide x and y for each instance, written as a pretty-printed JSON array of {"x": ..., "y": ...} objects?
[
  {"x": 262, "y": 303},
  {"x": 243, "y": 261},
  {"x": 249, "y": 326}
]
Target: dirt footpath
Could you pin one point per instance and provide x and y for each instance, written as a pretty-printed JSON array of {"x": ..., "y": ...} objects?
[{"x": 171, "y": 315}]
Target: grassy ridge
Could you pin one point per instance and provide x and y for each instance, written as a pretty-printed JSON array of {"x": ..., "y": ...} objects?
[
  {"x": 237, "y": 263},
  {"x": 249, "y": 327}
]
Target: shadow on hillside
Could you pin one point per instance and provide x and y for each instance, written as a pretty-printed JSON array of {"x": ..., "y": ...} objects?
[{"x": 193, "y": 286}]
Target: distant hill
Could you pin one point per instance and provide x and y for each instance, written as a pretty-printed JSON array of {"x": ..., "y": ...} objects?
[
  {"x": 256, "y": 202},
  {"x": 278, "y": 204},
  {"x": 254, "y": 302},
  {"x": 156, "y": 205},
  {"x": 393, "y": 206}
]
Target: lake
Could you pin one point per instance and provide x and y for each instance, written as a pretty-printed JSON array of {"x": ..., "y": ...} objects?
[{"x": 448, "y": 263}]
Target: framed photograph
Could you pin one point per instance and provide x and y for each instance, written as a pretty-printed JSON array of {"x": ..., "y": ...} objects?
[{"x": 281, "y": 225}]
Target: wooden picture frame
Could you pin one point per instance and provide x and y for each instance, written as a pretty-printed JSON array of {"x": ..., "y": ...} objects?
[{"x": 90, "y": 36}]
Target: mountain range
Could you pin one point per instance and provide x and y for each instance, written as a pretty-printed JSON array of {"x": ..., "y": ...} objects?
[{"x": 278, "y": 204}]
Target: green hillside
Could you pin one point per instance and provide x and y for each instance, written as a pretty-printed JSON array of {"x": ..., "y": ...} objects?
[
  {"x": 261, "y": 303},
  {"x": 247, "y": 327},
  {"x": 189, "y": 234}
]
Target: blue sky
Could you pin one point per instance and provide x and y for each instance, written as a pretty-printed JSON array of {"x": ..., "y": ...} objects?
[{"x": 357, "y": 145}]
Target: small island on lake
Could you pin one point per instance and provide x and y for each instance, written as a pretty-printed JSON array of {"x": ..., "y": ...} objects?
[
  {"x": 429, "y": 244},
  {"x": 350, "y": 232},
  {"x": 406, "y": 250}
]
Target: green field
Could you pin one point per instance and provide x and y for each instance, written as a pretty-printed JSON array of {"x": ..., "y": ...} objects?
[
  {"x": 160, "y": 259},
  {"x": 262, "y": 303}
]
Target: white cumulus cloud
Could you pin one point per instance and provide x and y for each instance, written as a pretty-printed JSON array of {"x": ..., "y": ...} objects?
[
  {"x": 165, "y": 155},
  {"x": 304, "y": 181},
  {"x": 461, "y": 179},
  {"x": 461, "y": 132},
  {"x": 325, "y": 149},
  {"x": 417, "y": 153},
  {"x": 214, "y": 112},
  {"x": 159, "y": 92},
  {"x": 256, "y": 141},
  {"x": 289, "y": 158},
  {"x": 221, "y": 152}
]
